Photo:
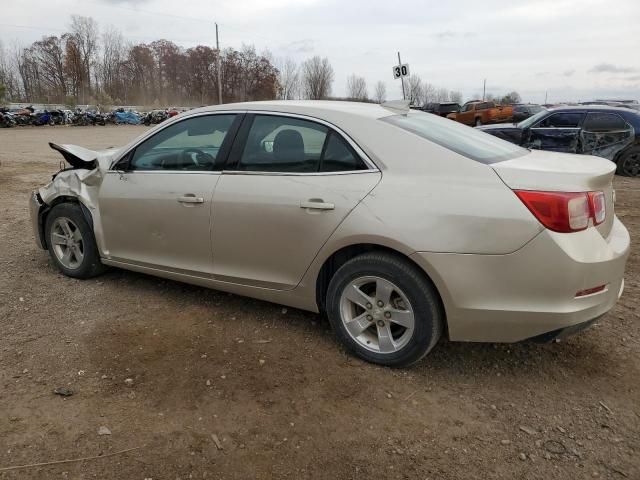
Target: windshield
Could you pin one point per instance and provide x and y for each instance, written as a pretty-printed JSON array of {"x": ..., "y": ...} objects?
[
  {"x": 467, "y": 141},
  {"x": 533, "y": 119}
]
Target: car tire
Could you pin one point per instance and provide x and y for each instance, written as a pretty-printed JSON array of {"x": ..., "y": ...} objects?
[
  {"x": 629, "y": 163},
  {"x": 412, "y": 295},
  {"x": 478, "y": 122},
  {"x": 71, "y": 243}
]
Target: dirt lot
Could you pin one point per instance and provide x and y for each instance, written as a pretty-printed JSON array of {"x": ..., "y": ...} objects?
[{"x": 281, "y": 397}]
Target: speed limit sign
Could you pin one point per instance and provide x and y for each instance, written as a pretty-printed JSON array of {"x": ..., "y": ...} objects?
[{"x": 401, "y": 70}]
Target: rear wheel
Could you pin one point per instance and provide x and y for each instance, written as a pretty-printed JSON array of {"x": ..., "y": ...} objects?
[
  {"x": 384, "y": 310},
  {"x": 629, "y": 163},
  {"x": 71, "y": 243},
  {"x": 478, "y": 122}
]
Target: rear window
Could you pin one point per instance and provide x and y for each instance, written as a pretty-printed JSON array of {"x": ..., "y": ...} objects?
[
  {"x": 466, "y": 141},
  {"x": 604, "y": 122}
]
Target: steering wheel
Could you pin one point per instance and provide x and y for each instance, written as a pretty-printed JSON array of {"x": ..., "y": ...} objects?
[{"x": 202, "y": 158}]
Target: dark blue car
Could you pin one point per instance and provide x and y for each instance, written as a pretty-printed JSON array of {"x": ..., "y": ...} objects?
[{"x": 604, "y": 131}]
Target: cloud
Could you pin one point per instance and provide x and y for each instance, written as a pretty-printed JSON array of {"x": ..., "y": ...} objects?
[
  {"x": 610, "y": 68},
  {"x": 568, "y": 73},
  {"x": 450, "y": 34},
  {"x": 301, "y": 46}
]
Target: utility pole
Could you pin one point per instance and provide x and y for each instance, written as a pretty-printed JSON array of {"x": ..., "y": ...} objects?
[
  {"x": 219, "y": 67},
  {"x": 484, "y": 89},
  {"x": 404, "y": 97},
  {"x": 545, "y": 97}
]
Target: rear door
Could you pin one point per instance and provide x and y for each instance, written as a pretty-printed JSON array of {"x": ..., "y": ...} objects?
[
  {"x": 290, "y": 182},
  {"x": 605, "y": 134},
  {"x": 558, "y": 132}
]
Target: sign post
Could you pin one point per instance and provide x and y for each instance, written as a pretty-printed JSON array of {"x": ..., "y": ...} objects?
[{"x": 400, "y": 71}]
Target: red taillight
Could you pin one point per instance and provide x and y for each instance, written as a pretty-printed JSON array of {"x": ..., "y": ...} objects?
[
  {"x": 598, "y": 207},
  {"x": 565, "y": 212}
]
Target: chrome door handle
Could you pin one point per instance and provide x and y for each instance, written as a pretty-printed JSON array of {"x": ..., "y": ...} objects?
[
  {"x": 190, "y": 199},
  {"x": 317, "y": 205}
]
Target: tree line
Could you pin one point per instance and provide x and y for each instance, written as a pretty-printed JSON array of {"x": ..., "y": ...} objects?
[
  {"x": 86, "y": 66},
  {"x": 89, "y": 66}
]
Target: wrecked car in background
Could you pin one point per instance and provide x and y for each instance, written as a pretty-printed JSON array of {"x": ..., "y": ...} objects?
[
  {"x": 479, "y": 112},
  {"x": 609, "y": 132}
]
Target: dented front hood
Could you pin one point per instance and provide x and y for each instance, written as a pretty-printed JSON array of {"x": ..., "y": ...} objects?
[
  {"x": 81, "y": 181},
  {"x": 80, "y": 157}
]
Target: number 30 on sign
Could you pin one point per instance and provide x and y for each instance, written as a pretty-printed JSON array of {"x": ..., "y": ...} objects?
[{"x": 401, "y": 70}]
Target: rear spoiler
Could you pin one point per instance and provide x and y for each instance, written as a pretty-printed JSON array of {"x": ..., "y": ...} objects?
[{"x": 77, "y": 157}]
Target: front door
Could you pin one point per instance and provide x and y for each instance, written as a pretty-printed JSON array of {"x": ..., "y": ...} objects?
[
  {"x": 290, "y": 183},
  {"x": 155, "y": 206}
]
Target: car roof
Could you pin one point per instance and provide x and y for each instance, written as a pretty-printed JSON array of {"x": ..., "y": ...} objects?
[
  {"x": 314, "y": 108},
  {"x": 592, "y": 108}
]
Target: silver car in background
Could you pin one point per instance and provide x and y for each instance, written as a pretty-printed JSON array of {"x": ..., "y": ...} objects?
[{"x": 402, "y": 226}]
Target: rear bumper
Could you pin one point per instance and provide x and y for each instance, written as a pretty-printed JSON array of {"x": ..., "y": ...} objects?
[{"x": 531, "y": 292}]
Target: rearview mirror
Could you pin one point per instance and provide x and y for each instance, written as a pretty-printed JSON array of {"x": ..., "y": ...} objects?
[
  {"x": 267, "y": 146},
  {"x": 197, "y": 129}
]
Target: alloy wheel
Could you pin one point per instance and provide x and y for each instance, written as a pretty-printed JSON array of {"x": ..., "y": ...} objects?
[
  {"x": 631, "y": 165},
  {"x": 377, "y": 314},
  {"x": 67, "y": 243}
]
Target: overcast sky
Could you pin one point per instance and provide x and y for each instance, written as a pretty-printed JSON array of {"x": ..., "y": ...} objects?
[{"x": 572, "y": 49}]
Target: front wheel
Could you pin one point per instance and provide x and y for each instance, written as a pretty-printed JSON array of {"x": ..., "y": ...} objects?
[
  {"x": 384, "y": 309},
  {"x": 629, "y": 163},
  {"x": 478, "y": 122},
  {"x": 71, "y": 243}
]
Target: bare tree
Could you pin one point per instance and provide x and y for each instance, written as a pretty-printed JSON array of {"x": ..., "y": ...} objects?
[
  {"x": 415, "y": 91},
  {"x": 317, "y": 77},
  {"x": 455, "y": 96},
  {"x": 357, "y": 88},
  {"x": 428, "y": 92},
  {"x": 84, "y": 31},
  {"x": 511, "y": 97},
  {"x": 442, "y": 95},
  {"x": 110, "y": 67},
  {"x": 8, "y": 76},
  {"x": 49, "y": 54},
  {"x": 288, "y": 79},
  {"x": 380, "y": 92}
]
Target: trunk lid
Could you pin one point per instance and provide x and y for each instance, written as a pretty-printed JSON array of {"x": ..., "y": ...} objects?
[{"x": 561, "y": 172}]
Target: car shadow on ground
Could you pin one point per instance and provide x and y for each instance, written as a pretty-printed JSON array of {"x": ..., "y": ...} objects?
[{"x": 206, "y": 334}]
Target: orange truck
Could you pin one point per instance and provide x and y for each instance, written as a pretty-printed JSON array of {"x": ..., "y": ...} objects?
[{"x": 477, "y": 112}]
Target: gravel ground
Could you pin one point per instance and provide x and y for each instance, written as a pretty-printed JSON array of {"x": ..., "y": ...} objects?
[{"x": 228, "y": 387}]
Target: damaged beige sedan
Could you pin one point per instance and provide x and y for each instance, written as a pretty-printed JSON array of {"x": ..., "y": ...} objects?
[{"x": 401, "y": 226}]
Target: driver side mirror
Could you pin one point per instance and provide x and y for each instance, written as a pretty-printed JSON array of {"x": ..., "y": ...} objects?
[{"x": 124, "y": 164}]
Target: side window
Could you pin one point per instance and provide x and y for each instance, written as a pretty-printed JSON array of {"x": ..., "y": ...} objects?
[
  {"x": 192, "y": 144},
  {"x": 339, "y": 156},
  {"x": 283, "y": 144},
  {"x": 561, "y": 120},
  {"x": 603, "y": 122}
]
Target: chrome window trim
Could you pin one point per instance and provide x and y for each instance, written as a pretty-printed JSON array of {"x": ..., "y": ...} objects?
[
  {"x": 177, "y": 119},
  {"x": 298, "y": 174},
  {"x": 555, "y": 128},
  {"x": 371, "y": 166},
  {"x": 159, "y": 172}
]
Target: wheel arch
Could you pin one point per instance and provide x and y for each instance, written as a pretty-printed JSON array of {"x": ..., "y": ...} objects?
[
  {"x": 46, "y": 209},
  {"x": 339, "y": 257}
]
